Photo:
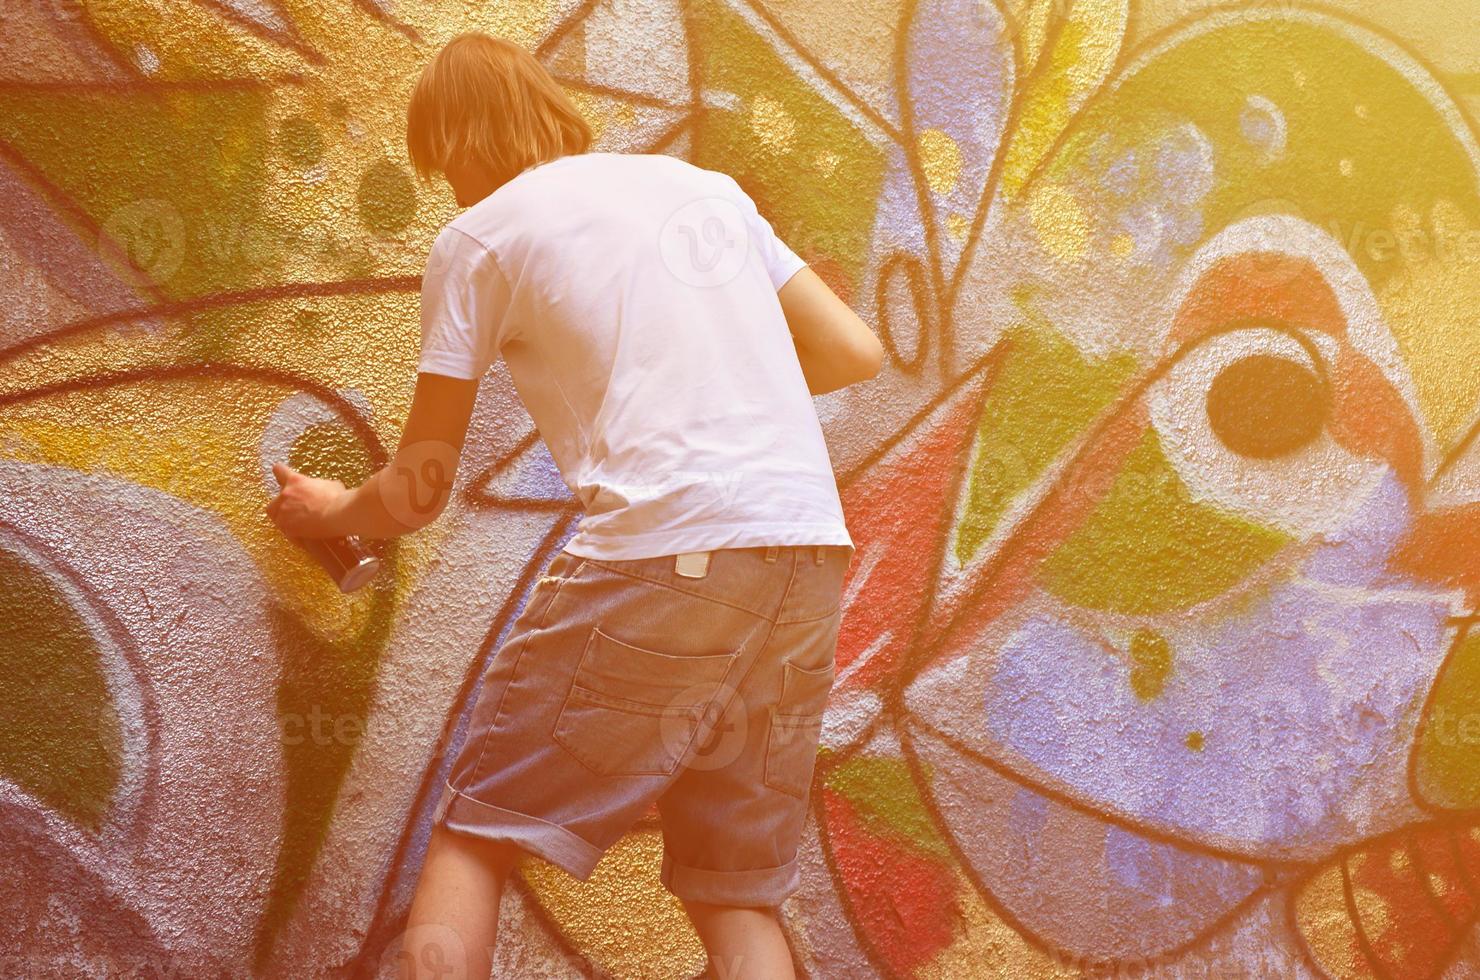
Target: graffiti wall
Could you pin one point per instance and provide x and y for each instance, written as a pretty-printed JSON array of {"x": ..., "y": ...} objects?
[{"x": 1160, "y": 652}]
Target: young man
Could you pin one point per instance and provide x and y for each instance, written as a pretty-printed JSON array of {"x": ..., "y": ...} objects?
[{"x": 679, "y": 650}]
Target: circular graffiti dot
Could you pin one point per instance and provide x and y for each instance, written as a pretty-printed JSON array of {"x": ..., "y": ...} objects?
[
  {"x": 1264, "y": 127},
  {"x": 1265, "y": 407},
  {"x": 386, "y": 197},
  {"x": 773, "y": 124},
  {"x": 330, "y": 451},
  {"x": 1151, "y": 664},
  {"x": 941, "y": 159},
  {"x": 300, "y": 141}
]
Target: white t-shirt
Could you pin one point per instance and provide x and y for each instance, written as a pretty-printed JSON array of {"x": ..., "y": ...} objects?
[{"x": 633, "y": 299}]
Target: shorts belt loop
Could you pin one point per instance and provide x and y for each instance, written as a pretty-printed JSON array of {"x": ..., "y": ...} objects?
[
  {"x": 820, "y": 554},
  {"x": 771, "y": 552}
]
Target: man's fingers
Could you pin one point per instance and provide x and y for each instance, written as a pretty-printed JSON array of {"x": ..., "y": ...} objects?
[{"x": 283, "y": 472}]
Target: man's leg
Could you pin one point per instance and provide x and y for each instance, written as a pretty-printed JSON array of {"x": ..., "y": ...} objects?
[
  {"x": 453, "y": 921},
  {"x": 743, "y": 943}
]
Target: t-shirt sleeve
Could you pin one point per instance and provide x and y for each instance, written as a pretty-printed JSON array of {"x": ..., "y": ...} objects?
[
  {"x": 781, "y": 263},
  {"x": 464, "y": 307}
]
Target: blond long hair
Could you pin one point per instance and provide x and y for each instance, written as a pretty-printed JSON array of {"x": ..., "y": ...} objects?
[{"x": 484, "y": 99}]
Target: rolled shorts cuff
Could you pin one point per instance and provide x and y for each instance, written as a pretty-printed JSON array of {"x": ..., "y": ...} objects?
[
  {"x": 757, "y": 887},
  {"x": 562, "y": 848}
]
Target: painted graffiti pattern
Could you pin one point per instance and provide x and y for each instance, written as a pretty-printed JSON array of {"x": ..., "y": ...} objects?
[{"x": 1160, "y": 649}]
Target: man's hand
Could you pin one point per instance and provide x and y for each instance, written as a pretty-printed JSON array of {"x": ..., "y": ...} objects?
[
  {"x": 305, "y": 506},
  {"x": 406, "y": 494}
]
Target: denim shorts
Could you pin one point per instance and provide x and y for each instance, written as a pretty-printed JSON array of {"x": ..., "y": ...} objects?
[{"x": 697, "y": 682}]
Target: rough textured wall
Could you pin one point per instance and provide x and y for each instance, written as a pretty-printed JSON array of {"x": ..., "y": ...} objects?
[{"x": 1158, "y": 649}]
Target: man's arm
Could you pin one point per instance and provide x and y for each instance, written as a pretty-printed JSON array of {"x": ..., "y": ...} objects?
[
  {"x": 407, "y": 494},
  {"x": 835, "y": 347}
]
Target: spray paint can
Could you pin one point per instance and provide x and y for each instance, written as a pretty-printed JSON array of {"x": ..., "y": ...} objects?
[{"x": 347, "y": 561}]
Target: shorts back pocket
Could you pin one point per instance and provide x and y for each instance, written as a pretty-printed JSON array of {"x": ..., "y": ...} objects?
[
  {"x": 631, "y": 711},
  {"x": 796, "y": 727}
]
